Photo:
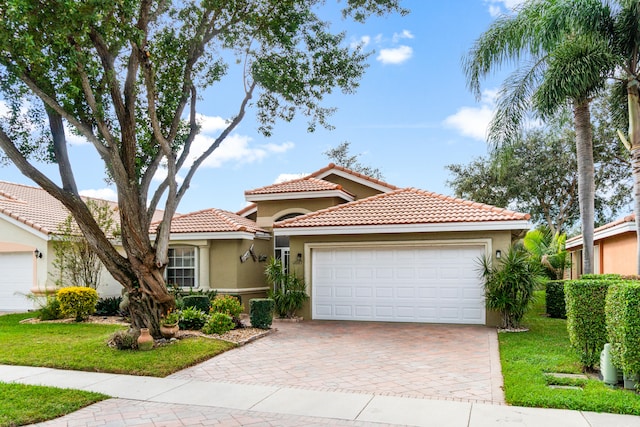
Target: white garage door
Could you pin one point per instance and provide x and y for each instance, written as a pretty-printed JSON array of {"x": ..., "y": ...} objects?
[
  {"x": 398, "y": 284},
  {"x": 16, "y": 278}
]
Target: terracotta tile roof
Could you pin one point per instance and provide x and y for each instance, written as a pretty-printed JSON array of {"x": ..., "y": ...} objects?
[
  {"x": 36, "y": 208},
  {"x": 627, "y": 219},
  {"x": 332, "y": 166},
  {"x": 404, "y": 206},
  {"x": 246, "y": 209},
  {"x": 300, "y": 185},
  {"x": 211, "y": 221}
]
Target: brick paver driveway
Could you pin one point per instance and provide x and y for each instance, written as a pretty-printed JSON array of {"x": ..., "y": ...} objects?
[{"x": 413, "y": 360}]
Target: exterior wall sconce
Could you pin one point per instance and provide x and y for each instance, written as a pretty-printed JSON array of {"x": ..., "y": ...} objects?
[
  {"x": 37, "y": 254},
  {"x": 498, "y": 254},
  {"x": 299, "y": 258}
]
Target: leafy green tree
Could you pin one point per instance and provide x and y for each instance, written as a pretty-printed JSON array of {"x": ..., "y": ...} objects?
[
  {"x": 77, "y": 264},
  {"x": 341, "y": 156},
  {"x": 561, "y": 59},
  {"x": 535, "y": 173},
  {"x": 127, "y": 76}
]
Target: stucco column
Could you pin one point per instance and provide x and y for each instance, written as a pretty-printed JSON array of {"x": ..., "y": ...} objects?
[{"x": 203, "y": 262}]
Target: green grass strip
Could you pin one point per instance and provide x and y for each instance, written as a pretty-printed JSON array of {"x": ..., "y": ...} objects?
[
  {"x": 528, "y": 356},
  {"x": 26, "y": 404}
]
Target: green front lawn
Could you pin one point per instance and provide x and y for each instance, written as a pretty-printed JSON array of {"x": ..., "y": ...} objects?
[
  {"x": 82, "y": 347},
  {"x": 26, "y": 404},
  {"x": 527, "y": 356}
]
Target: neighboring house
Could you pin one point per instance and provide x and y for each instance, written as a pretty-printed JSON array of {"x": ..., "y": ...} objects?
[
  {"x": 615, "y": 249},
  {"x": 366, "y": 249}
]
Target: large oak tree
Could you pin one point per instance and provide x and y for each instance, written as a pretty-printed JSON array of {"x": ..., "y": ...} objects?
[{"x": 127, "y": 75}]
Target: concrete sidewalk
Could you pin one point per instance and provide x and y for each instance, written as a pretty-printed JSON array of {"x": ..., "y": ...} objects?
[{"x": 287, "y": 405}]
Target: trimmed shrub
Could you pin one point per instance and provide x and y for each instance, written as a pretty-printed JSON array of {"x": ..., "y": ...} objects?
[
  {"x": 51, "y": 310},
  {"x": 227, "y": 304},
  {"x": 218, "y": 323},
  {"x": 109, "y": 306},
  {"x": 261, "y": 312},
  {"x": 124, "y": 340},
  {"x": 586, "y": 317},
  {"x": 610, "y": 276},
  {"x": 77, "y": 301},
  {"x": 192, "y": 319},
  {"x": 201, "y": 302},
  {"x": 623, "y": 325},
  {"x": 556, "y": 306}
]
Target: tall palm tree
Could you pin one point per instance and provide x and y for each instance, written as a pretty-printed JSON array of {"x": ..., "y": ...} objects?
[{"x": 562, "y": 57}]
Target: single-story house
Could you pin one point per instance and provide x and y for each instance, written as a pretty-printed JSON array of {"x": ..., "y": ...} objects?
[
  {"x": 366, "y": 249},
  {"x": 615, "y": 248}
]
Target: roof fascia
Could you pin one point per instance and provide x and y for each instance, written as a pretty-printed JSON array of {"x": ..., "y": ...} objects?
[
  {"x": 625, "y": 227},
  {"x": 300, "y": 195},
  {"x": 404, "y": 228},
  {"x": 355, "y": 178},
  {"x": 224, "y": 235},
  {"x": 26, "y": 227}
]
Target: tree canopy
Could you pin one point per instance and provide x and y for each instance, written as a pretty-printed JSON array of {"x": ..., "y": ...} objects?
[
  {"x": 536, "y": 174},
  {"x": 128, "y": 77}
]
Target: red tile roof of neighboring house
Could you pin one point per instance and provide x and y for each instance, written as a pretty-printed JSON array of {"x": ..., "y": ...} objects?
[
  {"x": 627, "y": 219},
  {"x": 404, "y": 206},
  {"x": 332, "y": 166},
  {"x": 36, "y": 208},
  {"x": 300, "y": 185},
  {"x": 211, "y": 221}
]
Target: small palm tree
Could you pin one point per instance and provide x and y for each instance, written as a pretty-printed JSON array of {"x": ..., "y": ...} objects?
[
  {"x": 548, "y": 250},
  {"x": 509, "y": 285}
]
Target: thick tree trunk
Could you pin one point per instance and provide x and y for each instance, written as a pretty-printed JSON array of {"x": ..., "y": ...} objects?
[
  {"x": 586, "y": 183},
  {"x": 634, "y": 137}
]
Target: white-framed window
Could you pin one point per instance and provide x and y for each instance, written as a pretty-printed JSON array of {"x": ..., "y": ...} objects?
[
  {"x": 182, "y": 268},
  {"x": 282, "y": 252}
]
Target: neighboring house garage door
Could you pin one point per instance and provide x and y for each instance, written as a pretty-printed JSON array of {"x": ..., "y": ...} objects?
[
  {"x": 16, "y": 278},
  {"x": 426, "y": 284}
]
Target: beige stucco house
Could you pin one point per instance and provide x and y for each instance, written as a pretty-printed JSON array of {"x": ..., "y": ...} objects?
[
  {"x": 615, "y": 248},
  {"x": 366, "y": 249}
]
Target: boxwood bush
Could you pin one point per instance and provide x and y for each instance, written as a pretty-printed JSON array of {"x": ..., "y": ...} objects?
[
  {"x": 556, "y": 306},
  {"x": 218, "y": 323},
  {"x": 77, "y": 301},
  {"x": 261, "y": 312},
  {"x": 585, "y": 302},
  {"x": 623, "y": 325},
  {"x": 201, "y": 302}
]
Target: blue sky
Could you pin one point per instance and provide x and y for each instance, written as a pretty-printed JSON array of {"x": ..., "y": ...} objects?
[{"x": 411, "y": 116}]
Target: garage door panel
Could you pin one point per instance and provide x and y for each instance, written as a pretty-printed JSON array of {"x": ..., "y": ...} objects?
[
  {"x": 16, "y": 281},
  {"x": 419, "y": 284}
]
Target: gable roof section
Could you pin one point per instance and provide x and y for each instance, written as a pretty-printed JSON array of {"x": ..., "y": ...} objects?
[
  {"x": 404, "y": 210},
  {"x": 614, "y": 228},
  {"x": 32, "y": 206},
  {"x": 213, "y": 223},
  {"x": 37, "y": 210},
  {"x": 301, "y": 188},
  {"x": 332, "y": 168}
]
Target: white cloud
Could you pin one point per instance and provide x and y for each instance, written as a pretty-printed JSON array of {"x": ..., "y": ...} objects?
[
  {"x": 101, "y": 193},
  {"x": 284, "y": 177},
  {"x": 73, "y": 138},
  {"x": 396, "y": 55},
  {"x": 499, "y": 7},
  {"x": 405, "y": 34},
  {"x": 161, "y": 174},
  {"x": 210, "y": 124},
  {"x": 474, "y": 121},
  {"x": 361, "y": 42}
]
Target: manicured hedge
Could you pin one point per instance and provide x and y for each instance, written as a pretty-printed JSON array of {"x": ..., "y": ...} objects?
[
  {"x": 556, "y": 306},
  {"x": 201, "y": 302},
  {"x": 610, "y": 276},
  {"x": 623, "y": 325},
  {"x": 261, "y": 312},
  {"x": 77, "y": 301},
  {"x": 586, "y": 317}
]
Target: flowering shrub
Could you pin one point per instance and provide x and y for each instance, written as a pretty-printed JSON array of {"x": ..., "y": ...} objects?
[{"x": 77, "y": 301}]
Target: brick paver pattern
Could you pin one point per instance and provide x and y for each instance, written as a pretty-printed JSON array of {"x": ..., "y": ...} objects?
[{"x": 452, "y": 362}]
